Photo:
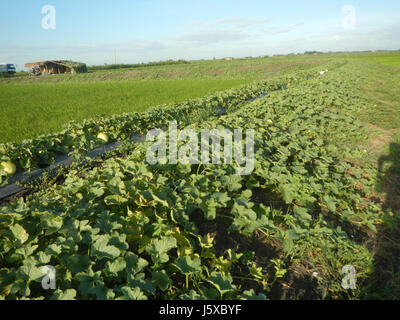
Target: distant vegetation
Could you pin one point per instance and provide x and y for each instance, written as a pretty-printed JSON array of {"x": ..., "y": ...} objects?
[
  {"x": 18, "y": 74},
  {"x": 137, "y": 65}
]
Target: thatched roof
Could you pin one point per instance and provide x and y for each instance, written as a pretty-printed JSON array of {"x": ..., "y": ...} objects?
[{"x": 77, "y": 66}]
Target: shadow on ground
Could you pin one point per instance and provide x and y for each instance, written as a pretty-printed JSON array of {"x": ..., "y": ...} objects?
[
  {"x": 391, "y": 181},
  {"x": 385, "y": 280}
]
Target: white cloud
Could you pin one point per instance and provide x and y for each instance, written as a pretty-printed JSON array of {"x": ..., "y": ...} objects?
[
  {"x": 144, "y": 45},
  {"x": 235, "y": 22},
  {"x": 212, "y": 36},
  {"x": 336, "y": 37}
]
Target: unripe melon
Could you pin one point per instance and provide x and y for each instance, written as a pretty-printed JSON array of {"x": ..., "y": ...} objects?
[{"x": 103, "y": 137}]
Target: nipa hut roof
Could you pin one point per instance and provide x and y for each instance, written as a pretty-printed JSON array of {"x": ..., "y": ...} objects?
[{"x": 78, "y": 66}]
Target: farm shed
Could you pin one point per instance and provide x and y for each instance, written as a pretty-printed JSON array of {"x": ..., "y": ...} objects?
[{"x": 56, "y": 67}]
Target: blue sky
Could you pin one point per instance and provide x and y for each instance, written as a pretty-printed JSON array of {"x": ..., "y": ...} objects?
[{"x": 151, "y": 30}]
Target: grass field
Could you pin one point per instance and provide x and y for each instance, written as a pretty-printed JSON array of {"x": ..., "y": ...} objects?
[
  {"x": 393, "y": 61},
  {"x": 388, "y": 58},
  {"x": 49, "y": 106},
  {"x": 382, "y": 89}
]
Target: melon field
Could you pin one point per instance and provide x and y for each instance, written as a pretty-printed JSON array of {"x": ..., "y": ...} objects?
[{"x": 323, "y": 198}]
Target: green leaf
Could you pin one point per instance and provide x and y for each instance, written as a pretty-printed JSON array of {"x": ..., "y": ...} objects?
[
  {"x": 43, "y": 258},
  {"x": 93, "y": 283},
  {"x": 115, "y": 200},
  {"x": 158, "y": 249},
  {"x": 117, "y": 186},
  {"x": 53, "y": 249},
  {"x": 132, "y": 294},
  {"x": 19, "y": 233},
  {"x": 288, "y": 240},
  {"x": 246, "y": 194},
  {"x": 20, "y": 254},
  {"x": 232, "y": 182},
  {"x": 113, "y": 267},
  {"x": 51, "y": 223},
  {"x": 193, "y": 295},
  {"x": 29, "y": 271},
  {"x": 69, "y": 294},
  {"x": 287, "y": 192},
  {"x": 96, "y": 192},
  {"x": 77, "y": 263},
  {"x": 223, "y": 283},
  {"x": 20, "y": 286},
  {"x": 210, "y": 293},
  {"x": 330, "y": 203},
  {"x": 141, "y": 282},
  {"x": 222, "y": 198},
  {"x": 134, "y": 264},
  {"x": 246, "y": 220},
  {"x": 188, "y": 265},
  {"x": 287, "y": 245},
  {"x": 101, "y": 249},
  {"x": 161, "y": 201},
  {"x": 210, "y": 211},
  {"x": 303, "y": 214},
  {"x": 251, "y": 295},
  {"x": 161, "y": 279}
]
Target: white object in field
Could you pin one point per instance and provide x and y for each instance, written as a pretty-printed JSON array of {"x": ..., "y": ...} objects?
[{"x": 322, "y": 72}]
